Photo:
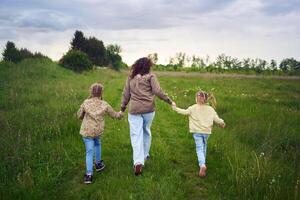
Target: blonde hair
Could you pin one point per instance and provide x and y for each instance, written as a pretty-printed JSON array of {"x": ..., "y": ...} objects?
[
  {"x": 209, "y": 98},
  {"x": 96, "y": 90}
]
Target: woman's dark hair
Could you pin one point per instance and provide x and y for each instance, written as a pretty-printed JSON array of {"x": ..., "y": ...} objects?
[{"x": 141, "y": 66}]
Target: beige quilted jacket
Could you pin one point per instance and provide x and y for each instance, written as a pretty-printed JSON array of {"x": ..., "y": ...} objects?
[{"x": 92, "y": 112}]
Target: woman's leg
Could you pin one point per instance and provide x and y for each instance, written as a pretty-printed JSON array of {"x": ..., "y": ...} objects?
[
  {"x": 148, "y": 118},
  {"x": 97, "y": 141},
  {"x": 136, "y": 138},
  {"x": 89, "y": 149}
]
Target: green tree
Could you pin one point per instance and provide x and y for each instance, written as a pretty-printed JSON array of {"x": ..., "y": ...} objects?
[
  {"x": 11, "y": 53},
  {"x": 289, "y": 64},
  {"x": 40, "y": 55},
  {"x": 79, "y": 41},
  {"x": 115, "y": 60},
  {"x": 235, "y": 63},
  {"x": 25, "y": 53},
  {"x": 178, "y": 61},
  {"x": 197, "y": 62},
  {"x": 93, "y": 47},
  {"x": 227, "y": 62},
  {"x": 246, "y": 63},
  {"x": 114, "y": 49},
  {"x": 273, "y": 65},
  {"x": 96, "y": 52},
  {"x": 260, "y": 65}
]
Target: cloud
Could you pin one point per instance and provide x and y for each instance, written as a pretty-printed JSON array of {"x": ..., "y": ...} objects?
[
  {"x": 257, "y": 28},
  {"x": 281, "y": 7},
  {"x": 112, "y": 14},
  {"x": 45, "y": 20}
]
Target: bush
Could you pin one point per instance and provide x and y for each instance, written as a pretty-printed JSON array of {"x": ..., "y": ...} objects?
[{"x": 76, "y": 60}]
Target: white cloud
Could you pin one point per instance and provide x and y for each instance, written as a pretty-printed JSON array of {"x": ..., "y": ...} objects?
[{"x": 237, "y": 27}]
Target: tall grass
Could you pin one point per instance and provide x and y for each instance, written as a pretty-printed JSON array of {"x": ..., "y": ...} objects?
[{"x": 42, "y": 154}]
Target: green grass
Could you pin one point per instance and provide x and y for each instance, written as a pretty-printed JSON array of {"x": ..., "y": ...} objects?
[{"x": 42, "y": 154}]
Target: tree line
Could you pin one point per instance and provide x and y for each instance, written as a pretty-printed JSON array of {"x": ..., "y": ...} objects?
[
  {"x": 12, "y": 54},
  {"x": 224, "y": 63},
  {"x": 83, "y": 54},
  {"x": 86, "y": 52}
]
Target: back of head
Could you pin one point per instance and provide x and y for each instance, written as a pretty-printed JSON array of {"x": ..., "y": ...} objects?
[
  {"x": 208, "y": 98},
  {"x": 141, "y": 66},
  {"x": 96, "y": 90}
]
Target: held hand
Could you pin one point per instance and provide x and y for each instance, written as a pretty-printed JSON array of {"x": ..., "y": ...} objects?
[
  {"x": 121, "y": 114},
  {"x": 222, "y": 125},
  {"x": 173, "y": 104}
]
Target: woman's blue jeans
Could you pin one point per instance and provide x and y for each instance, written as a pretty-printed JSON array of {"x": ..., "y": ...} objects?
[{"x": 140, "y": 135}]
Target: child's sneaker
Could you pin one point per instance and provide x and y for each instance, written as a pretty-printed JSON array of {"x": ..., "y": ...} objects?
[
  {"x": 99, "y": 166},
  {"x": 138, "y": 169},
  {"x": 202, "y": 171},
  {"x": 88, "y": 178},
  {"x": 147, "y": 158}
]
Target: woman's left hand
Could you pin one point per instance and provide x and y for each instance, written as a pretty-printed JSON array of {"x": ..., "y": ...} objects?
[{"x": 173, "y": 104}]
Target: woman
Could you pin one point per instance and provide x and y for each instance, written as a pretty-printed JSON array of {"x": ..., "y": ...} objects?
[{"x": 140, "y": 89}]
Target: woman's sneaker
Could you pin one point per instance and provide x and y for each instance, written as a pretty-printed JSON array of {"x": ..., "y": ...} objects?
[
  {"x": 88, "y": 178},
  {"x": 138, "y": 169},
  {"x": 99, "y": 166}
]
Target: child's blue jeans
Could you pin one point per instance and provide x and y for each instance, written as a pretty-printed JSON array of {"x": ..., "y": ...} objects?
[
  {"x": 201, "y": 146},
  {"x": 91, "y": 145}
]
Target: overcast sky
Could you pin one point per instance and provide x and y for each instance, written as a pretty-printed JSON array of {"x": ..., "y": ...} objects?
[{"x": 268, "y": 29}]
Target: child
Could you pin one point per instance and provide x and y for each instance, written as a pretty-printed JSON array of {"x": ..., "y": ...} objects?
[
  {"x": 92, "y": 112},
  {"x": 201, "y": 118}
]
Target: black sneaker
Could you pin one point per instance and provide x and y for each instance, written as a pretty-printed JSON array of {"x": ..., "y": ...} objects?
[
  {"x": 99, "y": 166},
  {"x": 88, "y": 178},
  {"x": 147, "y": 158}
]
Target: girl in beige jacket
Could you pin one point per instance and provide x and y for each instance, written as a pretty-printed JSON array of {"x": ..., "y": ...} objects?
[{"x": 92, "y": 112}]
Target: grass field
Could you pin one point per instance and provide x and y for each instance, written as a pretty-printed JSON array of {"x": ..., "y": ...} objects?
[{"x": 42, "y": 154}]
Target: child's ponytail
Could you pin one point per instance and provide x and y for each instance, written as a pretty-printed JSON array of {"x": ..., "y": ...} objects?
[{"x": 212, "y": 100}]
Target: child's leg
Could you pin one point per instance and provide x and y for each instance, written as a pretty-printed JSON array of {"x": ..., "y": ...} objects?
[
  {"x": 201, "y": 145},
  {"x": 205, "y": 138},
  {"x": 89, "y": 147},
  {"x": 148, "y": 118},
  {"x": 136, "y": 138},
  {"x": 97, "y": 142}
]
